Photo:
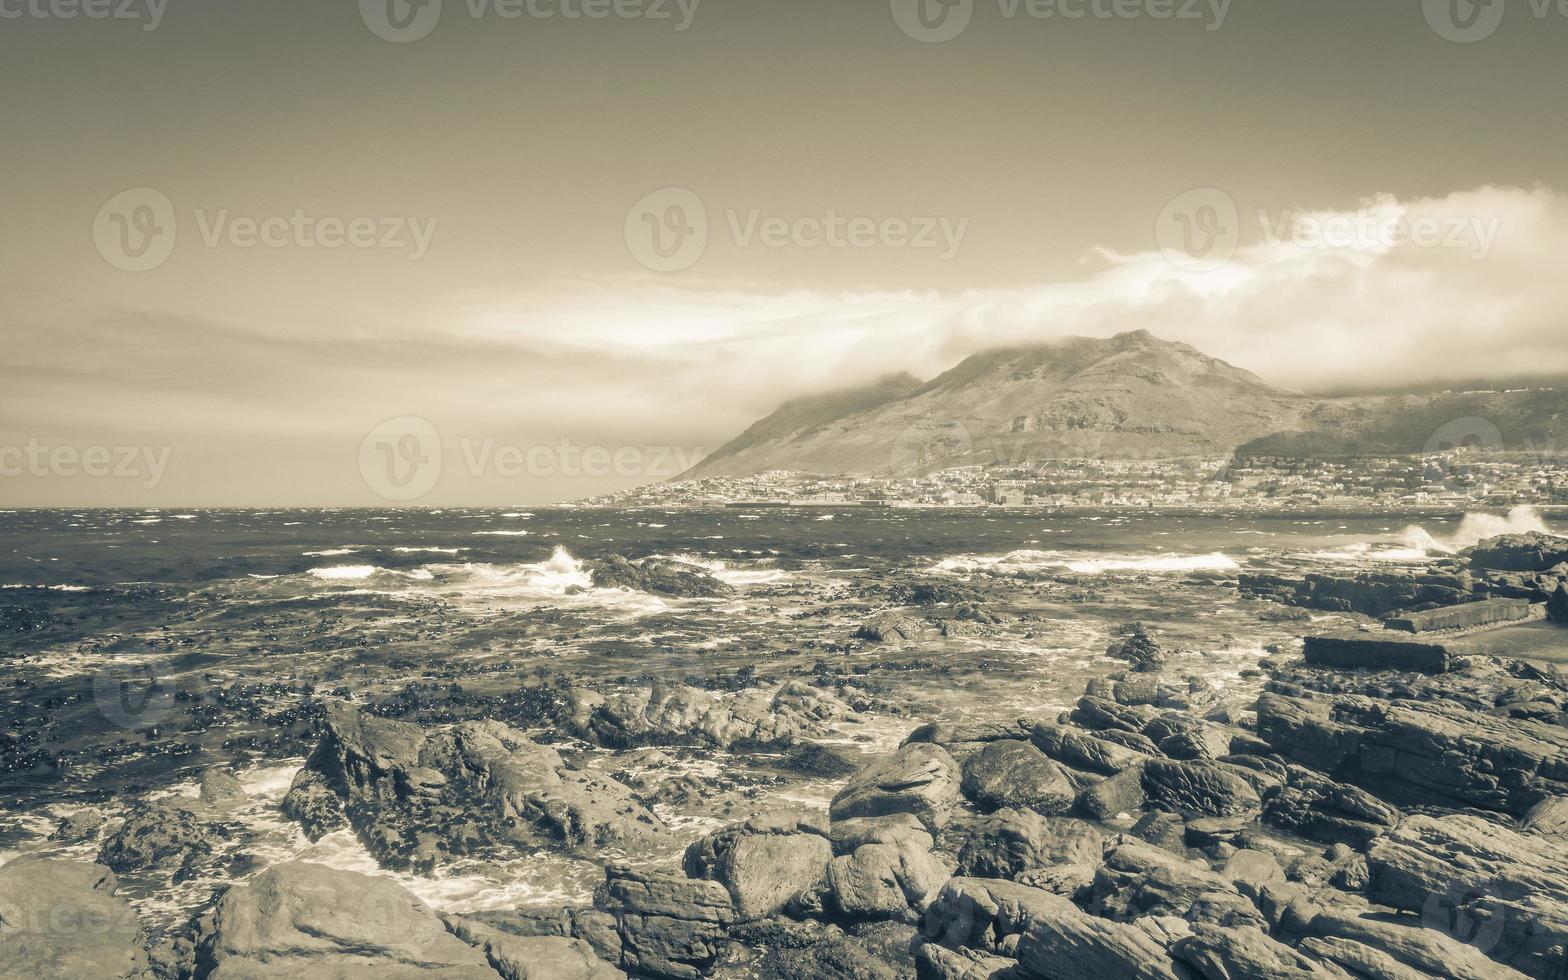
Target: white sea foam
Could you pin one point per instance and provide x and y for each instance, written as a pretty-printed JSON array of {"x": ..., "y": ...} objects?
[
  {"x": 344, "y": 573},
  {"x": 1475, "y": 528},
  {"x": 731, "y": 576},
  {"x": 1031, "y": 560},
  {"x": 330, "y": 553},
  {"x": 501, "y": 534}
]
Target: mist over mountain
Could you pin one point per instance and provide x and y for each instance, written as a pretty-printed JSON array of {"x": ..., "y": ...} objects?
[{"x": 1132, "y": 395}]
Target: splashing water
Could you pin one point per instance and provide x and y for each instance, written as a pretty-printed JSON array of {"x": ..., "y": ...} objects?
[{"x": 1474, "y": 529}]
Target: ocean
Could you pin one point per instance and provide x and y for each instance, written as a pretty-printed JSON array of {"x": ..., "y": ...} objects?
[{"x": 139, "y": 648}]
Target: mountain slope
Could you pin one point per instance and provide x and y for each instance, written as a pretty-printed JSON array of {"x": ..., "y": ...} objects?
[
  {"x": 766, "y": 445},
  {"x": 1132, "y": 395}
]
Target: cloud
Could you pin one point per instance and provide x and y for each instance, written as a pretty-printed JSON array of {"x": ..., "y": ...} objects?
[{"x": 1316, "y": 301}]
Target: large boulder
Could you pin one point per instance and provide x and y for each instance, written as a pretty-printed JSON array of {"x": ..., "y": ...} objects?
[
  {"x": 986, "y": 914},
  {"x": 416, "y": 797},
  {"x": 1198, "y": 789},
  {"x": 1218, "y": 953},
  {"x": 1319, "y": 808},
  {"x": 1504, "y": 892},
  {"x": 1557, "y": 605},
  {"x": 533, "y": 957},
  {"x": 1532, "y": 552},
  {"x": 1139, "y": 879},
  {"x": 1334, "y": 934},
  {"x": 675, "y": 714},
  {"x": 1429, "y": 751},
  {"x": 1084, "y": 751},
  {"x": 885, "y": 881},
  {"x": 60, "y": 920},
  {"x": 670, "y": 926},
  {"x": 299, "y": 920},
  {"x": 157, "y": 835},
  {"x": 774, "y": 861},
  {"x": 1013, "y": 773},
  {"x": 919, "y": 779},
  {"x": 1065, "y": 943},
  {"x": 656, "y": 576},
  {"x": 1011, "y": 842},
  {"x": 1138, "y": 647}
]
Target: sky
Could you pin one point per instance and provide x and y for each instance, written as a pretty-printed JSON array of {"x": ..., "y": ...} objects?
[{"x": 509, "y": 252}]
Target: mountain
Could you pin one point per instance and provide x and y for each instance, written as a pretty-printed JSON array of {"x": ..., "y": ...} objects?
[{"x": 1132, "y": 395}]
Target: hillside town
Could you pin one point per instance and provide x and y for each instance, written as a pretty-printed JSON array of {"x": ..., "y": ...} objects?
[{"x": 1456, "y": 479}]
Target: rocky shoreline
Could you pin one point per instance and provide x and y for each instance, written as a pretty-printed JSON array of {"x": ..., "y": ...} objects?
[{"x": 1359, "y": 820}]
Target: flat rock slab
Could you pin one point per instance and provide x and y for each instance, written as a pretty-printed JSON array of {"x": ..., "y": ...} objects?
[
  {"x": 1466, "y": 615},
  {"x": 1377, "y": 651}
]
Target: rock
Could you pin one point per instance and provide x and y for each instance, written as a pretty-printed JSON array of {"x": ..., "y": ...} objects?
[
  {"x": 985, "y": 914},
  {"x": 1429, "y": 750},
  {"x": 869, "y": 951},
  {"x": 1550, "y": 817},
  {"x": 1219, "y": 953},
  {"x": 767, "y": 865},
  {"x": 314, "y": 804},
  {"x": 1532, "y": 552},
  {"x": 1254, "y": 867},
  {"x": 1121, "y": 793},
  {"x": 896, "y": 828},
  {"x": 1360, "y": 960},
  {"x": 1016, "y": 774},
  {"x": 1138, "y": 647},
  {"x": 892, "y": 626},
  {"x": 220, "y": 788},
  {"x": 1372, "y": 651},
  {"x": 1371, "y": 593},
  {"x": 1163, "y": 830},
  {"x": 1507, "y": 891},
  {"x": 656, "y": 576},
  {"x": 1081, "y": 750},
  {"x": 157, "y": 835},
  {"x": 1202, "y": 789},
  {"x": 596, "y": 927},
  {"x": 674, "y": 714},
  {"x": 1139, "y": 879},
  {"x": 1013, "y": 841},
  {"x": 411, "y": 795},
  {"x": 1100, "y": 715},
  {"x": 1318, "y": 808},
  {"x": 933, "y": 962},
  {"x": 918, "y": 779},
  {"x": 1427, "y": 950},
  {"x": 307, "y": 920},
  {"x": 533, "y": 957},
  {"x": 670, "y": 926},
  {"x": 1064, "y": 943},
  {"x": 1466, "y": 615},
  {"x": 60, "y": 920},
  {"x": 1557, "y": 605},
  {"x": 78, "y": 825},
  {"x": 885, "y": 881}
]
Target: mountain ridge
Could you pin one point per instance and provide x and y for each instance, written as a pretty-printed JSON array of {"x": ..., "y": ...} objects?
[{"x": 1132, "y": 395}]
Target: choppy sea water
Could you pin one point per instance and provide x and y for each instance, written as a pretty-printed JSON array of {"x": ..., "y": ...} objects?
[{"x": 137, "y": 648}]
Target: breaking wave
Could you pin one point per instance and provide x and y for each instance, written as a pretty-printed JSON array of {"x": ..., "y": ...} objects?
[
  {"x": 1030, "y": 561},
  {"x": 1474, "y": 529}
]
